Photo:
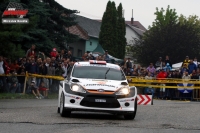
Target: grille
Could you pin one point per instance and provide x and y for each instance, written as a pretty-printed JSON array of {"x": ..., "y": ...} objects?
[{"x": 110, "y": 102}]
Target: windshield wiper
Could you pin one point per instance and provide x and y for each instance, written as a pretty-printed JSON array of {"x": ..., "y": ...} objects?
[{"x": 107, "y": 72}]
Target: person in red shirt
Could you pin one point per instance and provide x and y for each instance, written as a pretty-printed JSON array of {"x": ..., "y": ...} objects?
[
  {"x": 54, "y": 53},
  {"x": 14, "y": 66},
  {"x": 162, "y": 75}
]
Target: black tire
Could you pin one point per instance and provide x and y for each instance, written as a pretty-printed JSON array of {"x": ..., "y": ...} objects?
[
  {"x": 131, "y": 116},
  {"x": 63, "y": 111}
]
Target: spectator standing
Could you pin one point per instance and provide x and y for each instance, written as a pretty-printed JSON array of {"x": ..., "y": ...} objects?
[
  {"x": 21, "y": 80},
  {"x": 65, "y": 67},
  {"x": 167, "y": 67},
  {"x": 186, "y": 61},
  {"x": 14, "y": 66},
  {"x": 69, "y": 56},
  {"x": 54, "y": 53},
  {"x": 129, "y": 64},
  {"x": 32, "y": 68},
  {"x": 58, "y": 72},
  {"x": 31, "y": 52},
  {"x": 167, "y": 60},
  {"x": 62, "y": 55},
  {"x": 106, "y": 56},
  {"x": 51, "y": 71},
  {"x": 184, "y": 69},
  {"x": 186, "y": 76},
  {"x": 48, "y": 60},
  {"x": 159, "y": 63},
  {"x": 54, "y": 62},
  {"x": 151, "y": 69},
  {"x": 191, "y": 67},
  {"x": 2, "y": 71},
  {"x": 196, "y": 62},
  {"x": 13, "y": 83}
]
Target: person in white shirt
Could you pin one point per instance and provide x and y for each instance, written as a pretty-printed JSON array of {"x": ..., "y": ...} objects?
[{"x": 195, "y": 61}]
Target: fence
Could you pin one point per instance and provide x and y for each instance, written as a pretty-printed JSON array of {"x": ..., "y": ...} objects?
[
  {"x": 184, "y": 87},
  {"x": 28, "y": 75},
  {"x": 179, "y": 85}
]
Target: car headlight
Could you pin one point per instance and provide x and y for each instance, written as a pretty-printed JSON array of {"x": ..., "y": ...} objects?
[
  {"x": 123, "y": 91},
  {"x": 77, "y": 88}
]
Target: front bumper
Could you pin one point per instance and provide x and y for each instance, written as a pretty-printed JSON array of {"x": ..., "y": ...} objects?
[{"x": 87, "y": 101}]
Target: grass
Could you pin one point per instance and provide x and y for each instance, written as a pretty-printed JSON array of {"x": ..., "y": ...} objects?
[{"x": 24, "y": 96}]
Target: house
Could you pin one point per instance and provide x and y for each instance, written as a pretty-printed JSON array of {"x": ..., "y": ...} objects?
[
  {"x": 134, "y": 32},
  {"x": 78, "y": 48},
  {"x": 92, "y": 27},
  {"x": 89, "y": 29}
]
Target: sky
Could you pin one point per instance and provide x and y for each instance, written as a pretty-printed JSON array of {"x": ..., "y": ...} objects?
[{"x": 143, "y": 10}]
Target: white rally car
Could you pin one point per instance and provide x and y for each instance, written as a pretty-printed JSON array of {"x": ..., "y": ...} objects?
[{"x": 97, "y": 86}]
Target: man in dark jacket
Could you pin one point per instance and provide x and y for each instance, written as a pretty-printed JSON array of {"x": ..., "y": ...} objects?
[
  {"x": 58, "y": 72},
  {"x": 192, "y": 66}
]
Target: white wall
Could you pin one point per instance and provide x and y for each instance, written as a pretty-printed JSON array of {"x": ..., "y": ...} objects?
[{"x": 130, "y": 34}]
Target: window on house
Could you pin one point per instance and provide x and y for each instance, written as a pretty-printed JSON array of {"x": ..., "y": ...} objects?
[
  {"x": 80, "y": 53},
  {"x": 90, "y": 43}
]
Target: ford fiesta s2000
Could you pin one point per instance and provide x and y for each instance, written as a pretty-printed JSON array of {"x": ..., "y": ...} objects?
[{"x": 97, "y": 86}]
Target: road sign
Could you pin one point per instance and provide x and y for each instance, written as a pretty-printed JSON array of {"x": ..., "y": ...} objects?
[{"x": 144, "y": 99}]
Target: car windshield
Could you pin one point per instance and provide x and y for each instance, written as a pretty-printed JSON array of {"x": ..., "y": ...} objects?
[{"x": 98, "y": 72}]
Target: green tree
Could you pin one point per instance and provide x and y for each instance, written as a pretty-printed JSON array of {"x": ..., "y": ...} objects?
[
  {"x": 9, "y": 34},
  {"x": 113, "y": 30},
  {"x": 121, "y": 30},
  {"x": 169, "y": 35},
  {"x": 106, "y": 33},
  {"x": 48, "y": 21}
]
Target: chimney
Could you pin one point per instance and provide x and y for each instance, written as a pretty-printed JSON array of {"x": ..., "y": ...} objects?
[{"x": 132, "y": 18}]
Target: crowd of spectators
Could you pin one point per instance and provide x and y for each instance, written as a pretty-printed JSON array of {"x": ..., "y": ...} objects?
[
  {"x": 60, "y": 64},
  {"x": 12, "y": 72},
  {"x": 162, "y": 69}
]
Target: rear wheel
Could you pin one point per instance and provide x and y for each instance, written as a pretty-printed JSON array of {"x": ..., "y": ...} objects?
[
  {"x": 63, "y": 111},
  {"x": 132, "y": 115}
]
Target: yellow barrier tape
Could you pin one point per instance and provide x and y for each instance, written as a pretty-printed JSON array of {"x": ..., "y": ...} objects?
[
  {"x": 37, "y": 75},
  {"x": 165, "y": 81},
  {"x": 46, "y": 76},
  {"x": 143, "y": 78},
  {"x": 159, "y": 86}
]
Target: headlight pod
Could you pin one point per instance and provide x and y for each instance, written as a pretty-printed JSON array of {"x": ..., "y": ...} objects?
[
  {"x": 77, "y": 88},
  {"x": 123, "y": 91}
]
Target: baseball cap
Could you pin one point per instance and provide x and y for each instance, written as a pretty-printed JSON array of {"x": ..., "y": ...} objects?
[
  {"x": 106, "y": 50},
  {"x": 187, "y": 56}
]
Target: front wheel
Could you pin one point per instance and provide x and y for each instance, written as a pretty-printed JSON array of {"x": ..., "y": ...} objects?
[
  {"x": 63, "y": 111},
  {"x": 132, "y": 115}
]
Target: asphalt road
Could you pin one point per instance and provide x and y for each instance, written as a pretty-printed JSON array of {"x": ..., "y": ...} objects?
[{"x": 40, "y": 116}]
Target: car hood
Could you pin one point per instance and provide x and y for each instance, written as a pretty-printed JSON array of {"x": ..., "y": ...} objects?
[{"x": 94, "y": 84}]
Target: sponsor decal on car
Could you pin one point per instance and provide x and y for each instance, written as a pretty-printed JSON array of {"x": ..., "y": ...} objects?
[
  {"x": 127, "y": 100},
  {"x": 100, "y": 85}
]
